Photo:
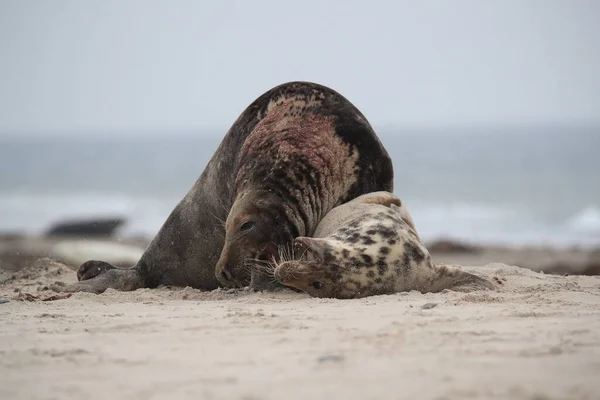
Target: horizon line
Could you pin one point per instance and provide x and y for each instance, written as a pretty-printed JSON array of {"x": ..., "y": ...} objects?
[{"x": 214, "y": 130}]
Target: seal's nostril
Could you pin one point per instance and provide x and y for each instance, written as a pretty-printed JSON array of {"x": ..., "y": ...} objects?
[{"x": 226, "y": 275}]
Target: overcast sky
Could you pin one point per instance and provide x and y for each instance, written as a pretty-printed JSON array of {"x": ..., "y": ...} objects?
[{"x": 168, "y": 65}]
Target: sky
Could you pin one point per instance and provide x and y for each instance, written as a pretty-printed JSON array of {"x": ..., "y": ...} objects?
[{"x": 135, "y": 66}]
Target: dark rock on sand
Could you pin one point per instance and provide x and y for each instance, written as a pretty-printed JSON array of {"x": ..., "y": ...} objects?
[
  {"x": 90, "y": 228},
  {"x": 451, "y": 246}
]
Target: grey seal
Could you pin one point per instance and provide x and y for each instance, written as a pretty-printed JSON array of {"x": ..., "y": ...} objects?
[
  {"x": 294, "y": 153},
  {"x": 369, "y": 246}
]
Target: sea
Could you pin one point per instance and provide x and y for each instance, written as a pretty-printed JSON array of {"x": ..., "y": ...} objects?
[{"x": 495, "y": 186}]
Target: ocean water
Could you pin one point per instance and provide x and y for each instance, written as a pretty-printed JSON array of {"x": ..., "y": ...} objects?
[{"x": 534, "y": 186}]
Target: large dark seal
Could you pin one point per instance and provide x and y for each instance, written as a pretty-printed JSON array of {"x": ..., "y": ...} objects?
[
  {"x": 369, "y": 246},
  {"x": 296, "y": 152}
]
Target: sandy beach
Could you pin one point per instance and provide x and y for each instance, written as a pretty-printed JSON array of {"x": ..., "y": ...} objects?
[
  {"x": 536, "y": 337},
  {"x": 214, "y": 133}
]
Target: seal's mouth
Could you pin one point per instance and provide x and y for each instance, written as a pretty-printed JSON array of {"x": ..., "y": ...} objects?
[
  {"x": 305, "y": 259},
  {"x": 269, "y": 253},
  {"x": 241, "y": 270},
  {"x": 261, "y": 264},
  {"x": 291, "y": 272}
]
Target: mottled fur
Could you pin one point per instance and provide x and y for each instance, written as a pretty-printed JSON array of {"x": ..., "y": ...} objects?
[
  {"x": 366, "y": 247},
  {"x": 296, "y": 152}
]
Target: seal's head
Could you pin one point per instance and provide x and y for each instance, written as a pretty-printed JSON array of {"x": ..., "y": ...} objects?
[
  {"x": 253, "y": 233},
  {"x": 311, "y": 272},
  {"x": 330, "y": 268}
]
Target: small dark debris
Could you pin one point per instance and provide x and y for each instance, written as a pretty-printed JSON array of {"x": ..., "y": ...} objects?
[
  {"x": 30, "y": 297},
  {"x": 61, "y": 296},
  {"x": 428, "y": 306},
  {"x": 26, "y": 297},
  {"x": 2, "y": 301},
  {"x": 337, "y": 358}
]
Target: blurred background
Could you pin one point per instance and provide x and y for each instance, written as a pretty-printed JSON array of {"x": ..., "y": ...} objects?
[{"x": 490, "y": 110}]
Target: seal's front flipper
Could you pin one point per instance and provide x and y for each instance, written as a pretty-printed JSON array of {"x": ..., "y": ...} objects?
[
  {"x": 114, "y": 278},
  {"x": 469, "y": 283},
  {"x": 457, "y": 280},
  {"x": 92, "y": 268}
]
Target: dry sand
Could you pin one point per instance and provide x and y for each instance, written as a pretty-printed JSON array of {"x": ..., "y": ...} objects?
[{"x": 536, "y": 337}]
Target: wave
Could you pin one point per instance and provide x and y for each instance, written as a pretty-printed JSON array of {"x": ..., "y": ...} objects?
[
  {"x": 586, "y": 221},
  {"x": 508, "y": 225}
]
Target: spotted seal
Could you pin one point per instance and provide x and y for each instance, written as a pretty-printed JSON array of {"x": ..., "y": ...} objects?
[
  {"x": 369, "y": 246},
  {"x": 296, "y": 152}
]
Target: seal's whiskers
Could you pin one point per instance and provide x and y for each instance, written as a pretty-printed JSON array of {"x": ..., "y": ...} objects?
[
  {"x": 255, "y": 265},
  {"x": 221, "y": 220}
]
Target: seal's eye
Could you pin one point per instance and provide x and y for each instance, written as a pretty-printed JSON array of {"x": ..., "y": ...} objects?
[
  {"x": 317, "y": 285},
  {"x": 246, "y": 226}
]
